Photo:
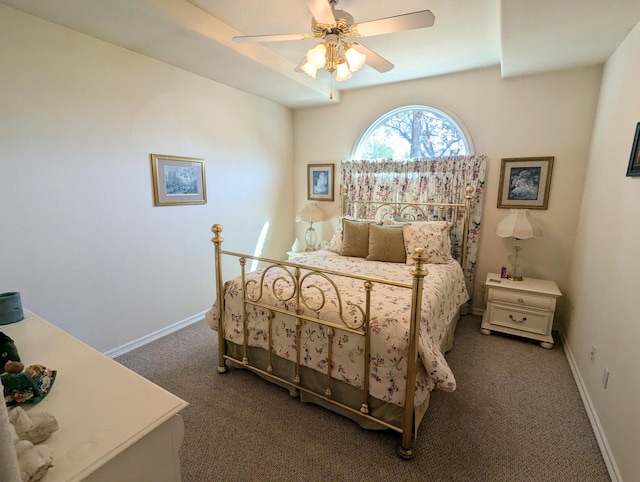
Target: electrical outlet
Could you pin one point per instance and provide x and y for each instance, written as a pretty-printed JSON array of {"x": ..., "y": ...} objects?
[
  {"x": 592, "y": 356},
  {"x": 481, "y": 285},
  {"x": 605, "y": 378}
]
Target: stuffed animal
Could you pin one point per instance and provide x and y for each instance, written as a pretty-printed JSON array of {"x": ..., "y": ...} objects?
[
  {"x": 28, "y": 386},
  {"x": 13, "y": 366},
  {"x": 35, "y": 427},
  {"x": 34, "y": 460}
]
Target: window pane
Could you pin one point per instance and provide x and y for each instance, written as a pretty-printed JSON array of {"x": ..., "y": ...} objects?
[{"x": 412, "y": 132}]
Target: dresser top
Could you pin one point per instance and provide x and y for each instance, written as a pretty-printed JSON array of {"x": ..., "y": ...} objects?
[
  {"x": 102, "y": 407},
  {"x": 529, "y": 285}
]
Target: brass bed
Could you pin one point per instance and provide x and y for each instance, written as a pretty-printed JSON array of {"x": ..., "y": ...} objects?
[{"x": 334, "y": 334}]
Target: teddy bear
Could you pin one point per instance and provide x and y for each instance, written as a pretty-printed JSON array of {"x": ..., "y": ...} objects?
[{"x": 35, "y": 427}]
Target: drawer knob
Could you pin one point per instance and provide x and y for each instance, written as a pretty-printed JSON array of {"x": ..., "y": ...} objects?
[
  {"x": 524, "y": 318},
  {"x": 520, "y": 300}
]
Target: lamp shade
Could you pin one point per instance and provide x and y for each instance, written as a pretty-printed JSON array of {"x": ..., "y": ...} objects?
[
  {"x": 354, "y": 58},
  {"x": 518, "y": 225},
  {"x": 311, "y": 213}
]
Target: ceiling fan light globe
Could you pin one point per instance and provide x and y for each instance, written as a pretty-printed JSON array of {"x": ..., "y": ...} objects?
[
  {"x": 343, "y": 72},
  {"x": 309, "y": 69},
  {"x": 355, "y": 59},
  {"x": 317, "y": 56}
]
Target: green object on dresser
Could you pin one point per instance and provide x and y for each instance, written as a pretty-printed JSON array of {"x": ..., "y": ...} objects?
[{"x": 10, "y": 308}]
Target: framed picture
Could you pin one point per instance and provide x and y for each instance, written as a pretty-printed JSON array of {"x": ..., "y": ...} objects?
[
  {"x": 178, "y": 180},
  {"x": 525, "y": 183},
  {"x": 320, "y": 182},
  {"x": 634, "y": 160}
]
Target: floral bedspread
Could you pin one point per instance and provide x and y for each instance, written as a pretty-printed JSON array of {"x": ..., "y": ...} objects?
[{"x": 443, "y": 293}]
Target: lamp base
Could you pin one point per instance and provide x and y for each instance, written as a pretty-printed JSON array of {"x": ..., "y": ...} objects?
[
  {"x": 310, "y": 238},
  {"x": 515, "y": 260}
]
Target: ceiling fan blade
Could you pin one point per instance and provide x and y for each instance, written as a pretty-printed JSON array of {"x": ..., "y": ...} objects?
[
  {"x": 299, "y": 66},
  {"x": 269, "y": 38},
  {"x": 321, "y": 11},
  {"x": 399, "y": 23},
  {"x": 373, "y": 59}
]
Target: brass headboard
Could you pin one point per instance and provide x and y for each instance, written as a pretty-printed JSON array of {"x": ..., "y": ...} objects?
[{"x": 415, "y": 211}]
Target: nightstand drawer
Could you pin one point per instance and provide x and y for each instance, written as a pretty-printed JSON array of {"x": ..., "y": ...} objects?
[
  {"x": 522, "y": 299},
  {"x": 522, "y": 320}
]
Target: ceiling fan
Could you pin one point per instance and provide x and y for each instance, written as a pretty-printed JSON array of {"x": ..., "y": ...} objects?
[{"x": 337, "y": 51}]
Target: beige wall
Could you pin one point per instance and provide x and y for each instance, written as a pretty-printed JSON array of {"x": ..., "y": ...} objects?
[
  {"x": 605, "y": 276},
  {"x": 81, "y": 240},
  {"x": 541, "y": 115},
  {"x": 85, "y": 247}
]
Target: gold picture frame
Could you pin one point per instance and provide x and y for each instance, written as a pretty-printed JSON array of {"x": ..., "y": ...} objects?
[
  {"x": 320, "y": 179},
  {"x": 178, "y": 180},
  {"x": 525, "y": 182}
]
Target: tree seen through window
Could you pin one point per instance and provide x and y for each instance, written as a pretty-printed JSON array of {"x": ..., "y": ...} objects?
[{"x": 413, "y": 132}]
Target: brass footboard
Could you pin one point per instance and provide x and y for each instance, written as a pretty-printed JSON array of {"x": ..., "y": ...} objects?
[{"x": 291, "y": 284}]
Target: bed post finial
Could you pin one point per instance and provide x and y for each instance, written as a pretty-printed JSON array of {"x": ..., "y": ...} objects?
[
  {"x": 469, "y": 192},
  {"x": 216, "y": 229},
  {"x": 217, "y": 241}
]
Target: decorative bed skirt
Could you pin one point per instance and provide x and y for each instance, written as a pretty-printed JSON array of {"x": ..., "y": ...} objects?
[{"x": 340, "y": 391}]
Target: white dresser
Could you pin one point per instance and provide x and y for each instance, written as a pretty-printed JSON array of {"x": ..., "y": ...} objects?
[
  {"x": 524, "y": 308},
  {"x": 114, "y": 424}
]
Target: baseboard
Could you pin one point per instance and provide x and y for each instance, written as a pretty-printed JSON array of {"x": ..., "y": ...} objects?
[
  {"x": 116, "y": 352},
  {"x": 477, "y": 311},
  {"x": 601, "y": 438}
]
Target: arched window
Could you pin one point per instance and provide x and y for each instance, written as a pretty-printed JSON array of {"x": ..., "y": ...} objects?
[{"x": 411, "y": 132}]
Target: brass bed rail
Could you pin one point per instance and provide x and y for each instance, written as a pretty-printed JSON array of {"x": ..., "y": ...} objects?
[{"x": 296, "y": 274}]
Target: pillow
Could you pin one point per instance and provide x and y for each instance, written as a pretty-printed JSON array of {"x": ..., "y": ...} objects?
[
  {"x": 335, "y": 244},
  {"x": 355, "y": 238},
  {"x": 386, "y": 243},
  {"x": 433, "y": 236}
]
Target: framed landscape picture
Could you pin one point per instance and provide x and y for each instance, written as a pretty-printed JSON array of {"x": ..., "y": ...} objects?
[
  {"x": 178, "y": 180},
  {"x": 634, "y": 160},
  {"x": 320, "y": 182},
  {"x": 525, "y": 182}
]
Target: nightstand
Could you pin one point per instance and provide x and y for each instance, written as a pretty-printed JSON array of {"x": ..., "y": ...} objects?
[
  {"x": 295, "y": 254},
  {"x": 524, "y": 308}
]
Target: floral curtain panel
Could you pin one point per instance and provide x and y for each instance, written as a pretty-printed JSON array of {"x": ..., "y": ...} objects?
[{"x": 423, "y": 180}]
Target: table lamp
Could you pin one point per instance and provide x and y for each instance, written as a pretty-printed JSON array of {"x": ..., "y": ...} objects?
[
  {"x": 517, "y": 225},
  {"x": 311, "y": 213}
]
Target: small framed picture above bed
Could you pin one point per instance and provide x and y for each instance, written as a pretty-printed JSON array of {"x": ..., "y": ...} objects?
[
  {"x": 320, "y": 182},
  {"x": 525, "y": 183},
  {"x": 178, "y": 180},
  {"x": 634, "y": 160}
]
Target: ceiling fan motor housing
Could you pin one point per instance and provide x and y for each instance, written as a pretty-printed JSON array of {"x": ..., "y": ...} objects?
[{"x": 341, "y": 27}]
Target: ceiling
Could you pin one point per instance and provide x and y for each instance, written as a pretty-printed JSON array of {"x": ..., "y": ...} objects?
[{"x": 522, "y": 36}]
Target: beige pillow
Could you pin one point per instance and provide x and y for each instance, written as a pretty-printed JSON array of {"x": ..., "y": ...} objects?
[
  {"x": 335, "y": 244},
  {"x": 386, "y": 243},
  {"x": 355, "y": 238},
  {"x": 433, "y": 236}
]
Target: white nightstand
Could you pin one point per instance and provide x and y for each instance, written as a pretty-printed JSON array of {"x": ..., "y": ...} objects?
[
  {"x": 295, "y": 254},
  {"x": 524, "y": 308}
]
